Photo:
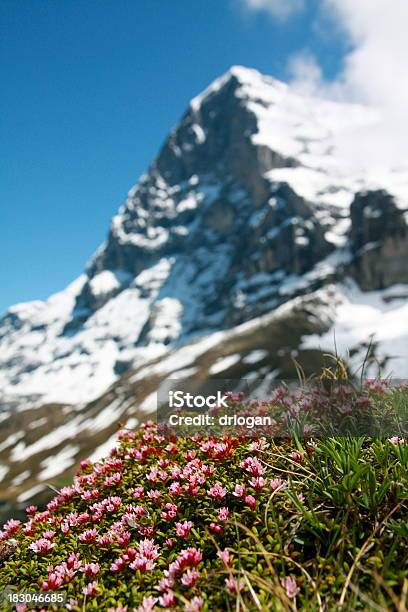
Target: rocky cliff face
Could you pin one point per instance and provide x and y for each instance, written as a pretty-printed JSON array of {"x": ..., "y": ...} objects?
[
  {"x": 206, "y": 198},
  {"x": 379, "y": 241},
  {"x": 246, "y": 206}
]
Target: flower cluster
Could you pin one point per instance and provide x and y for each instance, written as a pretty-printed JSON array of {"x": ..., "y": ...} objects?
[{"x": 195, "y": 523}]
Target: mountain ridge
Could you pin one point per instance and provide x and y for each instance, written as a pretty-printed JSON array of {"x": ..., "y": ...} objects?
[
  {"x": 250, "y": 242},
  {"x": 246, "y": 198}
]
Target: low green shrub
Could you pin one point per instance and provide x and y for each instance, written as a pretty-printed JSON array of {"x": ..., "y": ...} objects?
[{"x": 232, "y": 523}]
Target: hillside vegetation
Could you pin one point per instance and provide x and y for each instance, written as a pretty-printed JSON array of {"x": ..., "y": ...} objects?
[{"x": 228, "y": 523}]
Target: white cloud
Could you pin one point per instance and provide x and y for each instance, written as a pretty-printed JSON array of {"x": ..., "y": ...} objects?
[
  {"x": 374, "y": 70},
  {"x": 279, "y": 9},
  {"x": 376, "y": 67},
  {"x": 305, "y": 72}
]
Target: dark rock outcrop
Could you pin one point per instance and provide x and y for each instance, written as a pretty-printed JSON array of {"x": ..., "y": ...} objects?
[{"x": 379, "y": 241}]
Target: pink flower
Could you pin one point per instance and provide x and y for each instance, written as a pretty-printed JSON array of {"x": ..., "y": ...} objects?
[
  {"x": 91, "y": 569},
  {"x": 147, "y": 604},
  {"x": 175, "y": 472},
  {"x": 190, "y": 454},
  {"x": 27, "y": 529},
  {"x": 175, "y": 488},
  {"x": 90, "y": 589},
  {"x": 144, "y": 557},
  {"x": 67, "y": 493},
  {"x": 112, "y": 503},
  {"x": 169, "y": 543},
  {"x": 216, "y": 528},
  {"x": 31, "y": 509},
  {"x": 376, "y": 386},
  {"x": 189, "y": 578},
  {"x": 233, "y": 585},
  {"x": 195, "y": 605},
  {"x": 207, "y": 470},
  {"x": 250, "y": 501},
  {"x": 183, "y": 529},
  {"x": 223, "y": 514},
  {"x": 105, "y": 540},
  {"x": 123, "y": 539},
  {"x": 42, "y": 546},
  {"x": 290, "y": 586},
  {"x": 88, "y": 536},
  {"x": 170, "y": 513},
  {"x": 118, "y": 565},
  {"x": 296, "y": 456},
  {"x": 53, "y": 582},
  {"x": 83, "y": 517},
  {"x": 167, "y": 600},
  {"x": 115, "y": 479},
  {"x": 129, "y": 555},
  {"x": 224, "y": 556},
  {"x": 48, "y": 535},
  {"x": 239, "y": 490},
  {"x": 344, "y": 409},
  {"x": 146, "y": 531},
  {"x": 217, "y": 491},
  {"x": 72, "y": 519},
  {"x": 63, "y": 571},
  {"x": 12, "y": 526},
  {"x": 259, "y": 445},
  {"x": 253, "y": 466},
  {"x": 395, "y": 440},
  {"x": 74, "y": 561},
  {"x": 207, "y": 446},
  {"x": 41, "y": 516},
  {"x": 88, "y": 495},
  {"x": 131, "y": 519},
  {"x": 191, "y": 488},
  {"x": 258, "y": 483},
  {"x": 276, "y": 483},
  {"x": 53, "y": 504},
  {"x": 143, "y": 564},
  {"x": 138, "y": 492},
  {"x": 165, "y": 584},
  {"x": 153, "y": 475},
  {"x": 148, "y": 548},
  {"x": 153, "y": 494},
  {"x": 140, "y": 511},
  {"x": 88, "y": 479},
  {"x": 300, "y": 497},
  {"x": 189, "y": 557}
]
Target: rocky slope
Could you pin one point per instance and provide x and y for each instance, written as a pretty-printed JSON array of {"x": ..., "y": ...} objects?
[{"x": 250, "y": 234}]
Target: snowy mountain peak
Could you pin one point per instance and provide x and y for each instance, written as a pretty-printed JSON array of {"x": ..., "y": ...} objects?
[
  {"x": 239, "y": 76},
  {"x": 246, "y": 206}
]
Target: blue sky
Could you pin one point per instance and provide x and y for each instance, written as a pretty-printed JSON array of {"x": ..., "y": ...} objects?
[{"x": 90, "y": 90}]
